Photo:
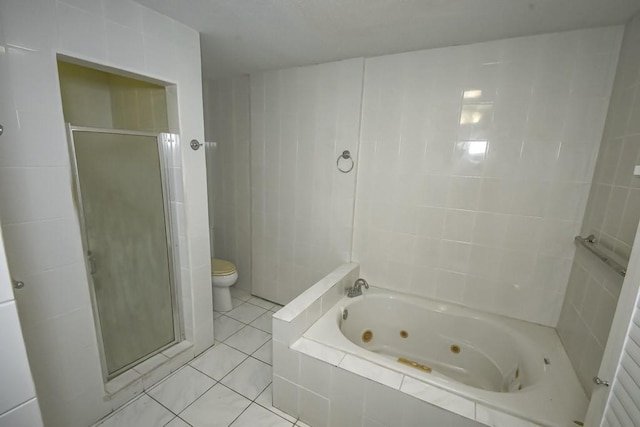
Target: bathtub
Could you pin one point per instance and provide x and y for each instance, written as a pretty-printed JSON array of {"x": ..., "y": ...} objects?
[{"x": 511, "y": 366}]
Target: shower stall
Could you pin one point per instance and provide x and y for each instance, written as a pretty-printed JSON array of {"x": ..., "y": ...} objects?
[{"x": 122, "y": 200}]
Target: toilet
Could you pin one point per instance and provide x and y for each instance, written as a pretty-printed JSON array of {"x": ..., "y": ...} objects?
[{"x": 223, "y": 276}]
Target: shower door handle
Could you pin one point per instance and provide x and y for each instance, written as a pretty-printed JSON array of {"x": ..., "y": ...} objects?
[{"x": 92, "y": 262}]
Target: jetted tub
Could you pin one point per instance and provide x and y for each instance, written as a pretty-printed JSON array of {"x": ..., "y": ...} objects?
[{"x": 513, "y": 366}]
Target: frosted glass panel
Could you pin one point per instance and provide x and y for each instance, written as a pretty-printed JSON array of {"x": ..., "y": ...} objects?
[{"x": 124, "y": 219}]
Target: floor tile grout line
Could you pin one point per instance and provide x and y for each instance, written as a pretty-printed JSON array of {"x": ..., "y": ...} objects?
[
  {"x": 245, "y": 324},
  {"x": 160, "y": 403},
  {"x": 261, "y": 361},
  {"x": 183, "y": 420},
  {"x": 252, "y": 401},
  {"x": 162, "y": 380},
  {"x": 252, "y": 355},
  {"x": 119, "y": 409},
  {"x": 239, "y": 415},
  {"x": 236, "y": 349},
  {"x": 262, "y": 406},
  {"x": 248, "y": 356},
  {"x": 238, "y": 320},
  {"x": 225, "y": 375},
  {"x": 225, "y": 313},
  {"x": 245, "y": 397},
  {"x": 250, "y": 303},
  {"x": 199, "y": 396},
  {"x": 256, "y": 305},
  {"x": 195, "y": 400},
  {"x": 231, "y": 371},
  {"x": 228, "y": 338},
  {"x": 176, "y": 416},
  {"x": 251, "y": 296}
]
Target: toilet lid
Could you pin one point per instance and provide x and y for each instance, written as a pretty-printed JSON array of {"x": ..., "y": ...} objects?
[{"x": 220, "y": 267}]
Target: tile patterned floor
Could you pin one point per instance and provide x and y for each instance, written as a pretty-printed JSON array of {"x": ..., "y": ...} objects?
[{"x": 228, "y": 385}]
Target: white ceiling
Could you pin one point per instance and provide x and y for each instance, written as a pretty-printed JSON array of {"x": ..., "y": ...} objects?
[{"x": 241, "y": 36}]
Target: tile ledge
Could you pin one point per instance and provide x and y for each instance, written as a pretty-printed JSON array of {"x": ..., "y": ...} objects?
[
  {"x": 318, "y": 351},
  {"x": 299, "y": 304},
  {"x": 372, "y": 371}
]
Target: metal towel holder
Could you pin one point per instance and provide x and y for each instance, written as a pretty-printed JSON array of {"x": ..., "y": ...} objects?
[
  {"x": 347, "y": 156},
  {"x": 589, "y": 243}
]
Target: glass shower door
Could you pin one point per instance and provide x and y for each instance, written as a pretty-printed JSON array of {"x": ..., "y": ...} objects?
[{"x": 125, "y": 220}]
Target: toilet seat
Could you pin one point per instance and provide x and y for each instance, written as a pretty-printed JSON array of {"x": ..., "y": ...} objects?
[
  {"x": 223, "y": 276},
  {"x": 220, "y": 267}
]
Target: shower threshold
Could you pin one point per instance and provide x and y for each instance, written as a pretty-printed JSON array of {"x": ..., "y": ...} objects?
[{"x": 144, "y": 375}]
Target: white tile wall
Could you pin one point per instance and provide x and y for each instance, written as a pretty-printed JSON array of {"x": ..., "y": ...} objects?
[
  {"x": 16, "y": 366},
  {"x": 229, "y": 170},
  {"x": 589, "y": 306},
  {"x": 612, "y": 215},
  {"x": 474, "y": 168},
  {"x": 614, "y": 202},
  {"x": 18, "y": 403},
  {"x": 302, "y": 206},
  {"x": 43, "y": 243}
]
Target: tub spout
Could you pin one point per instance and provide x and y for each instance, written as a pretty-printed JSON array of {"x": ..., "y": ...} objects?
[{"x": 356, "y": 289}]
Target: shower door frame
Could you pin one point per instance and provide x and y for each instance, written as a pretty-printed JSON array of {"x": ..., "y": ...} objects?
[{"x": 163, "y": 159}]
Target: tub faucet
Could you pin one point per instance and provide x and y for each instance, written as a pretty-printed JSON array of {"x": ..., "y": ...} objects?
[{"x": 356, "y": 289}]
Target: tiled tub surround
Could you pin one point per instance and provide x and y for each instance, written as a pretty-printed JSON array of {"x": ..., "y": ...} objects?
[
  {"x": 474, "y": 168},
  {"x": 612, "y": 216},
  {"x": 334, "y": 385},
  {"x": 498, "y": 363}
]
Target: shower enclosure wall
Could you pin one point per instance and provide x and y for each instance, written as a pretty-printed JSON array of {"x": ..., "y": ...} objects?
[
  {"x": 39, "y": 220},
  {"x": 124, "y": 168}
]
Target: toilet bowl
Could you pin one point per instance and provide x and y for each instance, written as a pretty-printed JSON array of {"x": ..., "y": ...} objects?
[{"x": 223, "y": 276}]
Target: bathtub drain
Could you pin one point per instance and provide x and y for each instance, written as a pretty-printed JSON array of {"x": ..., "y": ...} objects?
[{"x": 367, "y": 336}]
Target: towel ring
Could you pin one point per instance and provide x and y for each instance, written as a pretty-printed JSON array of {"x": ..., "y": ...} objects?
[{"x": 347, "y": 156}]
